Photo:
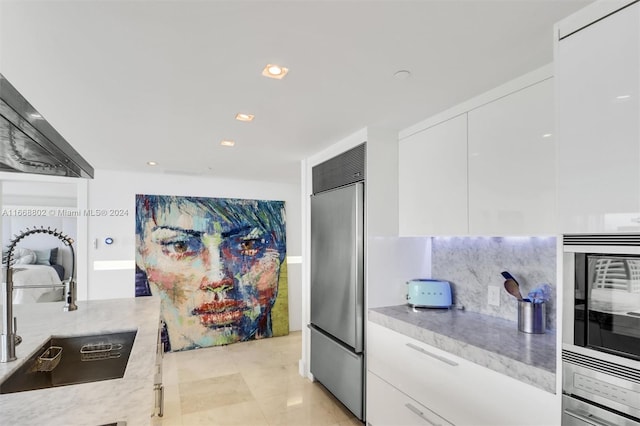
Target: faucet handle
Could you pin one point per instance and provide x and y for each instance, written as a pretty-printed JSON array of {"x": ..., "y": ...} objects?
[{"x": 70, "y": 296}]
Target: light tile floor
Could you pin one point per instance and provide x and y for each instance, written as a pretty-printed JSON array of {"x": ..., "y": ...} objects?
[{"x": 249, "y": 383}]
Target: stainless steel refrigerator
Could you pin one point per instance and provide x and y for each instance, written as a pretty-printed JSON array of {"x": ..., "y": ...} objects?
[{"x": 337, "y": 293}]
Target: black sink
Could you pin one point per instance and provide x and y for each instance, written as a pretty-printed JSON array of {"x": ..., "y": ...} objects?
[{"x": 83, "y": 359}]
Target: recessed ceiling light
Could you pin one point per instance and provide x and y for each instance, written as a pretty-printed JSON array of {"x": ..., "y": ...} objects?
[
  {"x": 152, "y": 163},
  {"x": 274, "y": 71},
  {"x": 35, "y": 115},
  {"x": 623, "y": 97},
  {"x": 227, "y": 143},
  {"x": 547, "y": 135},
  {"x": 402, "y": 74},
  {"x": 244, "y": 117}
]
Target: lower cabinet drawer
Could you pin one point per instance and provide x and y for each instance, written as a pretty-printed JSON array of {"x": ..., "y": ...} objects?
[
  {"x": 422, "y": 372},
  {"x": 387, "y": 405}
]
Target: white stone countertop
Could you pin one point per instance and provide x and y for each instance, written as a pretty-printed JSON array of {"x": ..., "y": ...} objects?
[
  {"x": 488, "y": 341},
  {"x": 129, "y": 399}
]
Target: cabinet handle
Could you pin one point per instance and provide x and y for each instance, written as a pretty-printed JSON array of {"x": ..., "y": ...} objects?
[
  {"x": 438, "y": 357},
  {"x": 588, "y": 418},
  {"x": 159, "y": 390},
  {"x": 420, "y": 414}
]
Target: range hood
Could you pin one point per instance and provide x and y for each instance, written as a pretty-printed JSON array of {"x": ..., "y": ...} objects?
[{"x": 28, "y": 143}]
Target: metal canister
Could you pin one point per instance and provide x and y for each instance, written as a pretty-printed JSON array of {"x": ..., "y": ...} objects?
[{"x": 532, "y": 317}]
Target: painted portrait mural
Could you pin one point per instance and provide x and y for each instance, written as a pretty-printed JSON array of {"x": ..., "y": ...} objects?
[{"x": 218, "y": 266}]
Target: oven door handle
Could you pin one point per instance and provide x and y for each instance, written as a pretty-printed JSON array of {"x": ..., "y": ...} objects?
[{"x": 588, "y": 418}]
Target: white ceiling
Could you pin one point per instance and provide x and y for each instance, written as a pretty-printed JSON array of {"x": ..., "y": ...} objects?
[{"x": 126, "y": 82}]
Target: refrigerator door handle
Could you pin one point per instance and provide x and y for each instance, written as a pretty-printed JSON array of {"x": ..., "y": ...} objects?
[
  {"x": 338, "y": 345},
  {"x": 359, "y": 299}
]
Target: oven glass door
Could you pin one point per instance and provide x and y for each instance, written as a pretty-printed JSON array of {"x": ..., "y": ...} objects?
[{"x": 611, "y": 309}]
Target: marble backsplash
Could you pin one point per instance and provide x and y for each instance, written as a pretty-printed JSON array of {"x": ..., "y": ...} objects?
[{"x": 472, "y": 264}]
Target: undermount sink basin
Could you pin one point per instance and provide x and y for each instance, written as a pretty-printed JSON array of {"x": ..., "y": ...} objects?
[{"x": 62, "y": 361}]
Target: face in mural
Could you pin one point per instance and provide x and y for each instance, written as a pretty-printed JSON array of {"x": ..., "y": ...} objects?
[{"x": 215, "y": 263}]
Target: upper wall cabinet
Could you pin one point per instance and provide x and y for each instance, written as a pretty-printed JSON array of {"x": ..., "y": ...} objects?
[
  {"x": 511, "y": 164},
  {"x": 433, "y": 180},
  {"x": 489, "y": 170},
  {"x": 597, "y": 64}
]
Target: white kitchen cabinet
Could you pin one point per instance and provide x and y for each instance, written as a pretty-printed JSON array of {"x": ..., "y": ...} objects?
[
  {"x": 489, "y": 170},
  {"x": 433, "y": 180},
  {"x": 455, "y": 390},
  {"x": 598, "y": 97},
  {"x": 387, "y": 406},
  {"x": 512, "y": 164}
]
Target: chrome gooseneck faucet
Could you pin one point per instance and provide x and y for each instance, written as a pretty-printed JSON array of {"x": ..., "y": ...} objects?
[{"x": 9, "y": 339}]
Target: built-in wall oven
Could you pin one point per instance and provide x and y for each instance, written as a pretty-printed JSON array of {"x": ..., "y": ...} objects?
[{"x": 601, "y": 330}]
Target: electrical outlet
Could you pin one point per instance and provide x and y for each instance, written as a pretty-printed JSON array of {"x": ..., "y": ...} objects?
[{"x": 493, "y": 295}]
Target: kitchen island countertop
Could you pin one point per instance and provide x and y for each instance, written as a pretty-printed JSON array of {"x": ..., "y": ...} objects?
[
  {"x": 488, "y": 341},
  {"x": 127, "y": 399}
]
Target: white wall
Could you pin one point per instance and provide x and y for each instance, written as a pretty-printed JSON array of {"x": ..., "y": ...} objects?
[
  {"x": 393, "y": 261},
  {"x": 390, "y": 261},
  {"x": 60, "y": 192},
  {"x": 382, "y": 182},
  {"x": 115, "y": 191}
]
